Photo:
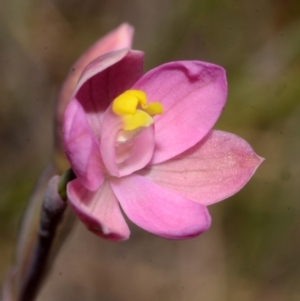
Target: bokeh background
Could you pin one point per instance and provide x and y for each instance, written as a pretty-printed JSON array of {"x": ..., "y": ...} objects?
[{"x": 252, "y": 250}]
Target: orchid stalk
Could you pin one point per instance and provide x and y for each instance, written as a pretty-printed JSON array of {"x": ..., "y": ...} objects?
[{"x": 141, "y": 142}]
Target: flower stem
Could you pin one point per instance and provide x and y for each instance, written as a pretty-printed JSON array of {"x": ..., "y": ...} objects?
[{"x": 54, "y": 205}]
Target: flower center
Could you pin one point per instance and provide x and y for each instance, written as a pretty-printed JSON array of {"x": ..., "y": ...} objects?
[
  {"x": 136, "y": 115},
  {"x": 128, "y": 134},
  {"x": 135, "y": 112}
]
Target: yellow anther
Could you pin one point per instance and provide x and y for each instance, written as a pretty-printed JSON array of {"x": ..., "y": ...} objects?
[
  {"x": 132, "y": 106},
  {"x": 154, "y": 108},
  {"x": 127, "y": 102},
  {"x": 136, "y": 120}
]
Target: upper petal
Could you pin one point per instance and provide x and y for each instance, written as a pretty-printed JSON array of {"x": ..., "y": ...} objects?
[
  {"x": 123, "y": 158},
  {"x": 214, "y": 169},
  {"x": 193, "y": 95},
  {"x": 158, "y": 210},
  {"x": 104, "y": 79},
  {"x": 81, "y": 147},
  {"x": 119, "y": 38},
  {"x": 98, "y": 210}
]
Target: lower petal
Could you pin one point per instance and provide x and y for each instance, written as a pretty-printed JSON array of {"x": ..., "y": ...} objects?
[
  {"x": 160, "y": 211},
  {"x": 214, "y": 169},
  {"x": 98, "y": 210}
]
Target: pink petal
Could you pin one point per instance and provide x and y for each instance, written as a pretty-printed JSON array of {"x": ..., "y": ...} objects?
[
  {"x": 137, "y": 152},
  {"x": 193, "y": 95},
  {"x": 98, "y": 210},
  {"x": 104, "y": 79},
  {"x": 158, "y": 210},
  {"x": 82, "y": 148},
  {"x": 214, "y": 169},
  {"x": 120, "y": 38}
]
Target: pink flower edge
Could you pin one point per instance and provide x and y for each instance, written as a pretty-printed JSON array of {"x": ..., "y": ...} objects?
[{"x": 214, "y": 169}]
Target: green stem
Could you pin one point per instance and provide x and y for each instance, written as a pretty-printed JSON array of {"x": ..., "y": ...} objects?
[{"x": 63, "y": 182}]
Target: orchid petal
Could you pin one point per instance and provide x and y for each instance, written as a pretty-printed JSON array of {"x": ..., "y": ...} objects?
[
  {"x": 119, "y": 38},
  {"x": 193, "y": 95},
  {"x": 160, "y": 211},
  {"x": 82, "y": 148},
  {"x": 214, "y": 169},
  {"x": 98, "y": 210},
  {"x": 136, "y": 152},
  {"x": 104, "y": 79}
]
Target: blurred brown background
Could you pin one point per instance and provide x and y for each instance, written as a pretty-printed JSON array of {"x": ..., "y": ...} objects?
[{"x": 252, "y": 250}]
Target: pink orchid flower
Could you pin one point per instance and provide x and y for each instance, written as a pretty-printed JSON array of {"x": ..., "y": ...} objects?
[{"x": 145, "y": 143}]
